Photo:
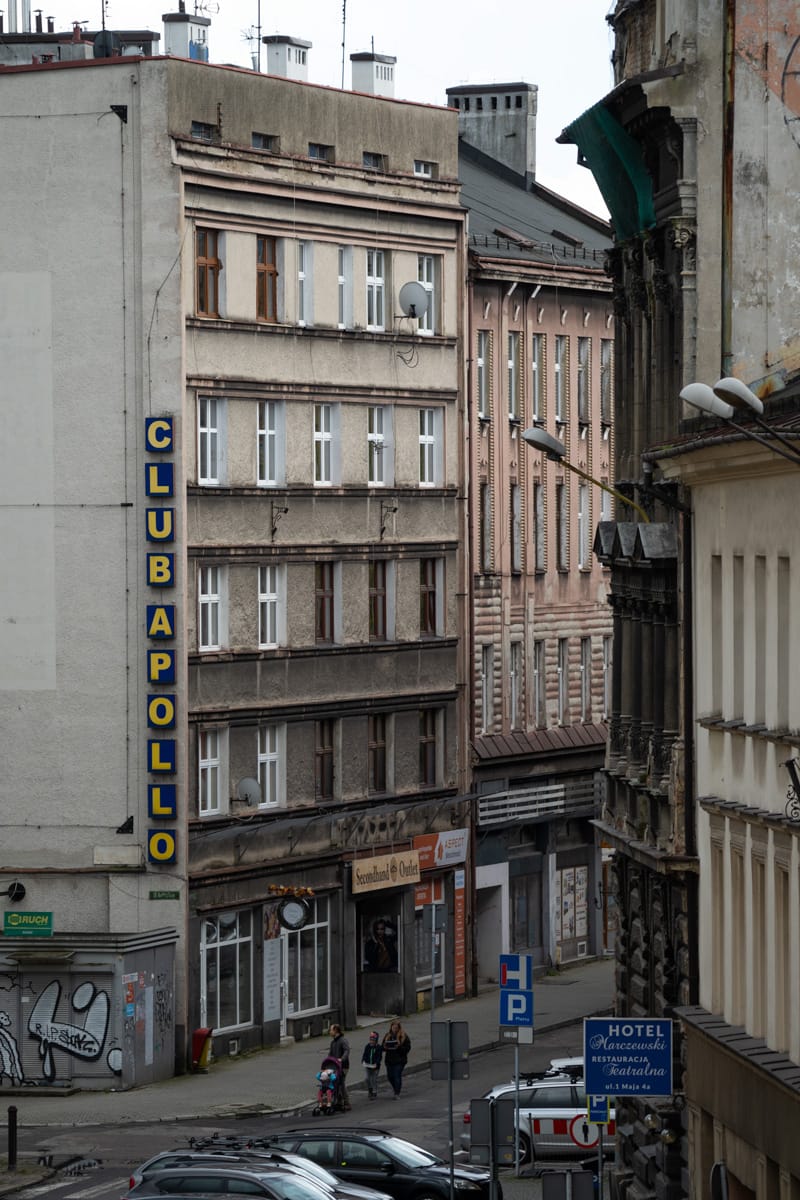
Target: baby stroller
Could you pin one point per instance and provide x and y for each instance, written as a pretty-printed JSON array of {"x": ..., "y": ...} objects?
[{"x": 329, "y": 1088}]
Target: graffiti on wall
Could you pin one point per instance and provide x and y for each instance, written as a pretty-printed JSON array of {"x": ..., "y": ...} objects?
[
  {"x": 10, "y": 1063},
  {"x": 86, "y": 1041}
]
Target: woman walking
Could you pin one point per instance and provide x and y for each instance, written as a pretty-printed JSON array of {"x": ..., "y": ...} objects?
[
  {"x": 396, "y": 1047},
  {"x": 340, "y": 1048}
]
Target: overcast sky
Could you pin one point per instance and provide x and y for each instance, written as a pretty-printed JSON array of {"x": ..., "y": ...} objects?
[{"x": 563, "y": 46}]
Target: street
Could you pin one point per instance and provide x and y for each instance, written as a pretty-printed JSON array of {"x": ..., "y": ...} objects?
[{"x": 98, "y": 1159}]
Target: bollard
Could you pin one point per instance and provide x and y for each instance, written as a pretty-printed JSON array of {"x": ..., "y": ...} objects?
[{"x": 12, "y": 1137}]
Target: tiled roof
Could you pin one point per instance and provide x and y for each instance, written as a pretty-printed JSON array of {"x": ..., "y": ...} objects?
[{"x": 562, "y": 738}]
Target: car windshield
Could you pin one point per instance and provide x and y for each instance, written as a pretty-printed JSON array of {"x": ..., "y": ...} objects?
[
  {"x": 295, "y": 1187},
  {"x": 312, "y": 1168},
  {"x": 408, "y": 1154}
]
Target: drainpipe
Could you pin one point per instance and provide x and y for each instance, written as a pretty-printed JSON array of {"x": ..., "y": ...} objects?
[{"x": 728, "y": 120}]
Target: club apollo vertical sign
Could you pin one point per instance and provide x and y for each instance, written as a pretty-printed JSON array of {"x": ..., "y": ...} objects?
[{"x": 159, "y": 485}]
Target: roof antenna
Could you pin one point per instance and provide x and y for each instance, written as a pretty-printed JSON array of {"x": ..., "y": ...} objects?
[{"x": 344, "y": 26}]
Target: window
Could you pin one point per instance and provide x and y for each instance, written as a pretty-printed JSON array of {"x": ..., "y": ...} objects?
[
  {"x": 345, "y": 285},
  {"x": 539, "y": 685},
  {"x": 538, "y": 377},
  {"x": 487, "y": 688},
  {"x": 323, "y": 762},
  {"x": 429, "y": 446},
  {"x": 272, "y": 765},
  {"x": 208, "y": 440},
  {"x": 562, "y": 527},
  {"x": 271, "y": 606},
  {"x": 539, "y": 560},
  {"x": 209, "y": 604},
  {"x": 431, "y": 588},
  {"x": 202, "y": 131},
  {"x": 563, "y": 681},
  {"x": 606, "y": 380},
  {"x": 308, "y": 958},
  {"x": 377, "y": 601},
  {"x": 324, "y": 601},
  {"x": 514, "y": 376},
  {"x": 320, "y": 152},
  {"x": 607, "y": 661},
  {"x": 265, "y": 141},
  {"x": 375, "y": 290},
  {"x": 486, "y": 527},
  {"x": 270, "y": 443},
  {"x": 584, "y": 379},
  {"x": 427, "y": 747},
  {"x": 266, "y": 279},
  {"x": 305, "y": 293},
  {"x": 526, "y": 919},
  {"x": 584, "y": 527},
  {"x": 516, "y": 527},
  {"x": 424, "y": 169},
  {"x": 378, "y": 421},
  {"x": 606, "y": 503},
  {"x": 207, "y": 269},
  {"x": 373, "y": 161},
  {"x": 515, "y": 684},
  {"x": 483, "y": 373},
  {"x": 562, "y": 379},
  {"x": 586, "y": 679},
  {"x": 209, "y": 772},
  {"x": 226, "y": 966},
  {"x": 377, "y": 754},
  {"x": 323, "y": 443},
  {"x": 426, "y": 275}
]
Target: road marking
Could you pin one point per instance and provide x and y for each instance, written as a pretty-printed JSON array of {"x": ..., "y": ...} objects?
[{"x": 98, "y": 1189}]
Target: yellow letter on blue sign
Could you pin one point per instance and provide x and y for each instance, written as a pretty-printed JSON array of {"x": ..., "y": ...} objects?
[
  {"x": 161, "y": 712},
  {"x": 161, "y": 845},
  {"x": 161, "y": 570},
  {"x": 159, "y": 478},
  {"x": 158, "y": 435},
  {"x": 161, "y": 757},
  {"x": 161, "y": 620},
  {"x": 162, "y": 802},
  {"x": 160, "y": 524},
  {"x": 161, "y": 666}
]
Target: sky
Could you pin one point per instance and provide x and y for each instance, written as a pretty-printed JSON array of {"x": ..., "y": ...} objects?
[{"x": 562, "y": 46}]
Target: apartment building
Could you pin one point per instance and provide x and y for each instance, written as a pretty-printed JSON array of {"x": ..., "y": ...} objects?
[
  {"x": 234, "y": 660},
  {"x": 541, "y": 356}
]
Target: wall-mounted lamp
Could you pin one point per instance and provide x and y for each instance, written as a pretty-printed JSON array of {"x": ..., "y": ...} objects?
[
  {"x": 652, "y": 1121},
  {"x": 556, "y": 451},
  {"x": 792, "y": 808},
  {"x": 725, "y": 399},
  {"x": 15, "y": 892},
  {"x": 277, "y": 511},
  {"x": 387, "y": 508}
]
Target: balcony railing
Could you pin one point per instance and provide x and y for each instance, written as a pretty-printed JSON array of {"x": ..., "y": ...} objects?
[{"x": 539, "y": 802}]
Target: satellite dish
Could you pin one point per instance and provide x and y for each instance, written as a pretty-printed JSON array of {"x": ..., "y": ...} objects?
[
  {"x": 106, "y": 44},
  {"x": 249, "y": 791},
  {"x": 414, "y": 299}
]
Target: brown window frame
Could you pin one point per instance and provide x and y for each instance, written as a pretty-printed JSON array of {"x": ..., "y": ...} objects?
[
  {"x": 427, "y": 597},
  {"x": 427, "y": 747},
  {"x": 323, "y": 602},
  {"x": 377, "y": 754},
  {"x": 377, "y": 601},
  {"x": 323, "y": 760},
  {"x": 266, "y": 279},
  {"x": 207, "y": 268}
]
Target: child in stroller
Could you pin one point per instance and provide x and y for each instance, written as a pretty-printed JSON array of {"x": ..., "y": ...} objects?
[{"x": 329, "y": 1090}]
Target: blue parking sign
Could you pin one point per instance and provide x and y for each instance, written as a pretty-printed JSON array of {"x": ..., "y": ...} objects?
[{"x": 516, "y": 1008}]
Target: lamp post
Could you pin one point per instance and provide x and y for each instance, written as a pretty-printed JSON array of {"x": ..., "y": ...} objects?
[
  {"x": 556, "y": 451},
  {"x": 729, "y": 396}
]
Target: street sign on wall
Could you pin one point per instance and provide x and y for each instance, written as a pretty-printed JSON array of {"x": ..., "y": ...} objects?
[{"x": 627, "y": 1057}]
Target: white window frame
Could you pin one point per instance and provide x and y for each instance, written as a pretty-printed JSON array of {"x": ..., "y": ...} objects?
[
  {"x": 345, "y": 287},
  {"x": 487, "y": 687},
  {"x": 538, "y": 377},
  {"x": 486, "y": 527},
  {"x": 584, "y": 380},
  {"x": 563, "y": 680},
  {"x": 271, "y": 605},
  {"x": 584, "y": 527},
  {"x": 606, "y": 503},
  {"x": 320, "y": 966},
  {"x": 539, "y": 540},
  {"x": 562, "y": 526},
  {"x": 539, "y": 684},
  {"x": 430, "y": 446},
  {"x": 423, "y": 169},
  {"x": 208, "y": 440},
  {"x": 516, "y": 528},
  {"x": 514, "y": 375},
  {"x": 305, "y": 283},
  {"x": 272, "y": 764},
  {"x": 379, "y": 445},
  {"x": 607, "y": 675},
  {"x": 210, "y": 953},
  {"x": 606, "y": 381},
  {"x": 561, "y": 369},
  {"x": 586, "y": 679},
  {"x": 482, "y": 370},
  {"x": 210, "y": 761},
  {"x": 325, "y": 444},
  {"x": 210, "y": 584},
  {"x": 270, "y": 443},
  {"x": 426, "y": 275},
  {"x": 376, "y": 291},
  {"x": 515, "y": 682}
]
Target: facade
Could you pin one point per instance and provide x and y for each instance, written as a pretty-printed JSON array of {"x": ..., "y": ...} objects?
[
  {"x": 541, "y": 354},
  {"x": 234, "y": 659},
  {"x": 695, "y": 151}
]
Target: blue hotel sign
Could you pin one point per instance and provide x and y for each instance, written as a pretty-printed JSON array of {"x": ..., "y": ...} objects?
[{"x": 627, "y": 1057}]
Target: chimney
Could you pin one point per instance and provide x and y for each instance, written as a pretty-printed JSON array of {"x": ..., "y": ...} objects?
[
  {"x": 51, "y": 25},
  {"x": 38, "y": 15},
  {"x": 287, "y": 56},
  {"x": 373, "y": 73},
  {"x": 186, "y": 36},
  {"x": 499, "y": 119}
]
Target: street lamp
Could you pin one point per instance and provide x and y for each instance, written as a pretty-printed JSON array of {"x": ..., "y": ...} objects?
[
  {"x": 730, "y": 396},
  {"x": 556, "y": 451}
]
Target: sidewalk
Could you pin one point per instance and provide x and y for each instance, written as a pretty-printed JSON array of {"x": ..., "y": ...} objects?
[{"x": 281, "y": 1077}]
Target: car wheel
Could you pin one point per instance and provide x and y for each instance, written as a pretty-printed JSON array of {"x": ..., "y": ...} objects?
[{"x": 525, "y": 1151}]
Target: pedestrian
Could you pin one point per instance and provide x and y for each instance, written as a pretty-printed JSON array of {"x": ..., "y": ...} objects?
[
  {"x": 340, "y": 1048},
  {"x": 371, "y": 1058},
  {"x": 396, "y": 1047}
]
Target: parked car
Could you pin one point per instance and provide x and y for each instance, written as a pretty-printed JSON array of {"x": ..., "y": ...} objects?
[
  {"x": 378, "y": 1159},
  {"x": 262, "y": 1180},
  {"x": 552, "y": 1115},
  {"x": 240, "y": 1154}
]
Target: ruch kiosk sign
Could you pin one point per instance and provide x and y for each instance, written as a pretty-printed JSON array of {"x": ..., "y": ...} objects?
[{"x": 626, "y": 1057}]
